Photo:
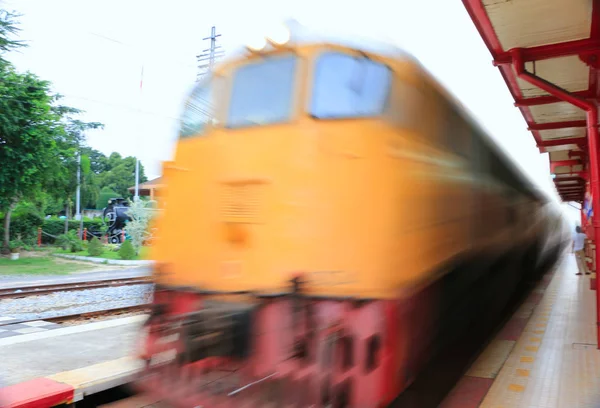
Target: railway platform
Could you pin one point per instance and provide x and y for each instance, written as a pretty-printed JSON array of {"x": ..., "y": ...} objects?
[
  {"x": 63, "y": 365},
  {"x": 546, "y": 355}
]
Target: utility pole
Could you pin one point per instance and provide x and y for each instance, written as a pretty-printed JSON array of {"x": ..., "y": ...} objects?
[
  {"x": 78, "y": 197},
  {"x": 78, "y": 193},
  {"x": 136, "y": 195},
  {"x": 208, "y": 56}
]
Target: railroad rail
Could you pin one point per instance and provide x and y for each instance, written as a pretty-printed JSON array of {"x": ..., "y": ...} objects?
[
  {"x": 86, "y": 315},
  {"x": 33, "y": 290}
]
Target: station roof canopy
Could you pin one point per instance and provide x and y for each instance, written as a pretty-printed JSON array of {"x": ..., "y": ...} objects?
[
  {"x": 558, "y": 41},
  {"x": 147, "y": 188}
]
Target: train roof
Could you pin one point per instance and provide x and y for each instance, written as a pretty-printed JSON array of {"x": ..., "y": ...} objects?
[{"x": 301, "y": 35}]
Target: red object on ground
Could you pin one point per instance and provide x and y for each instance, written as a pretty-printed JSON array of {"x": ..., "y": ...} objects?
[
  {"x": 41, "y": 392},
  {"x": 85, "y": 234}
]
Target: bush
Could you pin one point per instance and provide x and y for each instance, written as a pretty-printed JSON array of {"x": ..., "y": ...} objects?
[
  {"x": 16, "y": 245},
  {"x": 24, "y": 225},
  {"x": 126, "y": 251},
  {"x": 111, "y": 247},
  {"x": 95, "y": 247},
  {"x": 77, "y": 245},
  {"x": 70, "y": 242}
]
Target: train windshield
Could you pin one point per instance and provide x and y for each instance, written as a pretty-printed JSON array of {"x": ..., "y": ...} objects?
[
  {"x": 347, "y": 86},
  {"x": 198, "y": 110},
  {"x": 263, "y": 92}
]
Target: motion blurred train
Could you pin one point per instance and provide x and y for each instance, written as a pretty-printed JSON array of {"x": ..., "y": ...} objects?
[{"x": 348, "y": 222}]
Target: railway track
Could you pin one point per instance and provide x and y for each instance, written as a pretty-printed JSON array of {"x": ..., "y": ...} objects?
[
  {"x": 85, "y": 315},
  {"x": 24, "y": 291}
]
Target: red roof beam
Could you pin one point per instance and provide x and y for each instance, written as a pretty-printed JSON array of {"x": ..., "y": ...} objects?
[
  {"x": 567, "y": 186},
  {"x": 576, "y": 189},
  {"x": 542, "y": 52},
  {"x": 580, "y": 141},
  {"x": 559, "y": 180},
  {"x": 557, "y": 125},
  {"x": 576, "y": 183},
  {"x": 559, "y": 163},
  {"x": 548, "y": 99},
  {"x": 582, "y": 174}
]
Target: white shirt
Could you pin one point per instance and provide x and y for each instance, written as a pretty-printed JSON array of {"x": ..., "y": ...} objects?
[{"x": 578, "y": 241}]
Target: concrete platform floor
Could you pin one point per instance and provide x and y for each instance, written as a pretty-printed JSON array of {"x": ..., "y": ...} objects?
[
  {"x": 41, "y": 354},
  {"x": 545, "y": 357}
]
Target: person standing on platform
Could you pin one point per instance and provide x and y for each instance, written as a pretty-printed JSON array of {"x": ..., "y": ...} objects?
[{"x": 578, "y": 245}]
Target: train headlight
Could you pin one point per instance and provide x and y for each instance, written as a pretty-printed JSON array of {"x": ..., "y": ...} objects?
[
  {"x": 279, "y": 36},
  {"x": 257, "y": 44}
]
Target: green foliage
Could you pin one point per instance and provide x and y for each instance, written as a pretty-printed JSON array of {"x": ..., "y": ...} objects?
[
  {"x": 120, "y": 174},
  {"x": 16, "y": 245},
  {"x": 105, "y": 194},
  {"x": 25, "y": 221},
  {"x": 112, "y": 175},
  {"x": 7, "y": 29},
  {"x": 40, "y": 139},
  {"x": 70, "y": 242},
  {"x": 95, "y": 247},
  {"x": 24, "y": 225},
  {"x": 126, "y": 251},
  {"x": 138, "y": 229},
  {"x": 55, "y": 226}
]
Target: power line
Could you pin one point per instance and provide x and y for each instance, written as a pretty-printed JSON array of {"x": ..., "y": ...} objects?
[{"x": 115, "y": 105}]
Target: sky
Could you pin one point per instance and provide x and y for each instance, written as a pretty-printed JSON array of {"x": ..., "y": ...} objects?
[{"x": 93, "y": 53}]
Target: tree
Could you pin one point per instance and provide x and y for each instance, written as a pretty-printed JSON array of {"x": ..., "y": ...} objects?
[
  {"x": 105, "y": 194},
  {"x": 110, "y": 174},
  {"x": 98, "y": 161},
  {"x": 8, "y": 28},
  {"x": 39, "y": 139},
  {"x": 120, "y": 174}
]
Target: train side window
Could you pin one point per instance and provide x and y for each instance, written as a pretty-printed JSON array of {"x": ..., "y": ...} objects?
[
  {"x": 407, "y": 108},
  {"x": 347, "y": 86},
  {"x": 455, "y": 131}
]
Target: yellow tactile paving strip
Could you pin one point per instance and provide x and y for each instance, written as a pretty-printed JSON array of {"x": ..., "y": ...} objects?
[
  {"x": 555, "y": 362},
  {"x": 489, "y": 363}
]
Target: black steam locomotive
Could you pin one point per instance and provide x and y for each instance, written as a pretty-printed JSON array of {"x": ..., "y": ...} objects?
[{"x": 115, "y": 217}]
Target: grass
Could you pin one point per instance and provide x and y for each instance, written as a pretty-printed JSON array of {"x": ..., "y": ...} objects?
[
  {"x": 144, "y": 254},
  {"x": 38, "y": 265}
]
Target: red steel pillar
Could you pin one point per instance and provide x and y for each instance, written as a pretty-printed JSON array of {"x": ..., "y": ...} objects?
[{"x": 592, "y": 132}]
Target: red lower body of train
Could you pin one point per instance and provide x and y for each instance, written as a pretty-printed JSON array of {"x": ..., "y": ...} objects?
[{"x": 207, "y": 349}]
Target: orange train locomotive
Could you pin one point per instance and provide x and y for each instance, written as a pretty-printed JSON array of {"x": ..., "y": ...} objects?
[{"x": 344, "y": 221}]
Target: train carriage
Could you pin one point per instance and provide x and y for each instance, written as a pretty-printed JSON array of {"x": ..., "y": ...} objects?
[{"x": 349, "y": 222}]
